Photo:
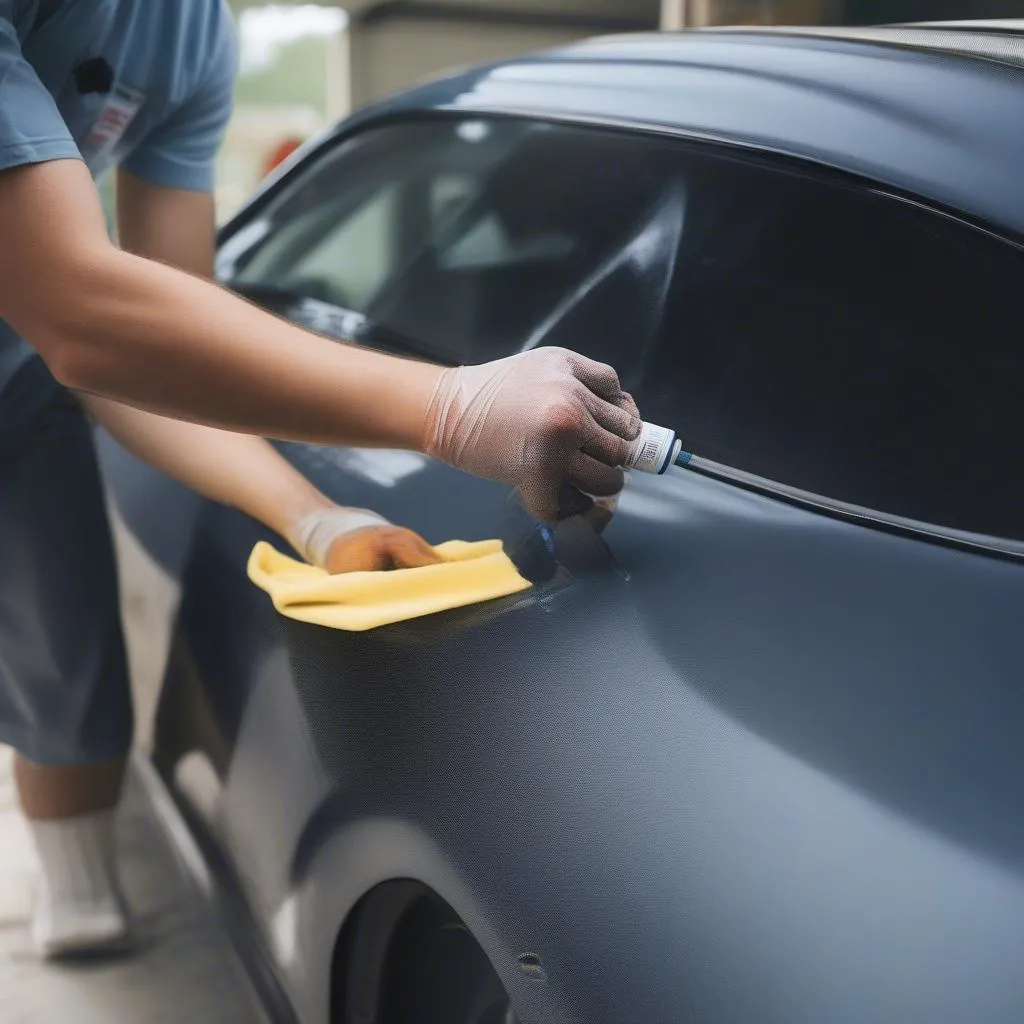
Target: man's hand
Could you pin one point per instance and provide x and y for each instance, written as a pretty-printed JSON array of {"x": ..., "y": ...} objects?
[
  {"x": 356, "y": 540},
  {"x": 538, "y": 421},
  {"x": 379, "y": 548}
]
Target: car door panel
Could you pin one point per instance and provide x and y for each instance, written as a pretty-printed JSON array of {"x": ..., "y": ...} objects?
[{"x": 772, "y": 753}]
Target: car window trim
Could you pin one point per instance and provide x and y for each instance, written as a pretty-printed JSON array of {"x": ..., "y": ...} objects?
[
  {"x": 887, "y": 522},
  {"x": 730, "y": 148}
]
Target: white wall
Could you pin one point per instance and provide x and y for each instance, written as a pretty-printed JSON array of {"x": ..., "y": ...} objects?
[
  {"x": 388, "y": 55},
  {"x": 252, "y": 134},
  {"x": 677, "y": 14}
]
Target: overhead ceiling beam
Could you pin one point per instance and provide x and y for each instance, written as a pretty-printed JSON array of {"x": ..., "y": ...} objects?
[
  {"x": 535, "y": 10},
  {"x": 506, "y": 14}
]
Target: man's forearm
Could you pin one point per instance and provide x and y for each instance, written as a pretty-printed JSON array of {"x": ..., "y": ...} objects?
[
  {"x": 232, "y": 469},
  {"x": 120, "y": 326},
  {"x": 117, "y": 325},
  {"x": 157, "y": 338}
]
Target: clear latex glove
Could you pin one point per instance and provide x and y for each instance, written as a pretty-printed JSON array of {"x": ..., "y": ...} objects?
[
  {"x": 357, "y": 540},
  {"x": 539, "y": 421}
]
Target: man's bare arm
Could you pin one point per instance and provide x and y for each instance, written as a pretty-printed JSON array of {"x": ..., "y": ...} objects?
[
  {"x": 111, "y": 323},
  {"x": 114, "y": 324},
  {"x": 177, "y": 227},
  {"x": 174, "y": 226}
]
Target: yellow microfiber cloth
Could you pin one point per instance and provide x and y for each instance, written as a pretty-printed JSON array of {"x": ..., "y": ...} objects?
[{"x": 468, "y": 574}]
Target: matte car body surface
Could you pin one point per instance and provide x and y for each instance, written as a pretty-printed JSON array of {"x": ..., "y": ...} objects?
[{"x": 752, "y": 754}]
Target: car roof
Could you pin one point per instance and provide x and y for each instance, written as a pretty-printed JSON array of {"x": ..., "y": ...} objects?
[{"x": 932, "y": 110}]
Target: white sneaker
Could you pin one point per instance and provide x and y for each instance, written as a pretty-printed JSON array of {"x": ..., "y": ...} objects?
[
  {"x": 68, "y": 929},
  {"x": 78, "y": 907}
]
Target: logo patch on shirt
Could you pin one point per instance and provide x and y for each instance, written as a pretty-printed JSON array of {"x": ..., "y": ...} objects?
[
  {"x": 117, "y": 113},
  {"x": 94, "y": 75}
]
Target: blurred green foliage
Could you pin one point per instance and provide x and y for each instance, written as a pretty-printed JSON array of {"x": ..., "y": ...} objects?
[{"x": 296, "y": 77}]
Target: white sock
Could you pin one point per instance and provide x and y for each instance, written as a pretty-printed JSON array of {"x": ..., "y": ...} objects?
[{"x": 79, "y": 907}]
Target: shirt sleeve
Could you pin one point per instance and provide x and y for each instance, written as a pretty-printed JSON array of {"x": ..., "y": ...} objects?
[
  {"x": 31, "y": 128},
  {"x": 181, "y": 151}
]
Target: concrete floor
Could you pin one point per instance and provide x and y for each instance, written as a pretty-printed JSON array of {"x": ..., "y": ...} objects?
[{"x": 184, "y": 969}]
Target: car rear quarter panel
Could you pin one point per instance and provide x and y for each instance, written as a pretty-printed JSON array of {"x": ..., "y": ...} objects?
[{"x": 758, "y": 765}]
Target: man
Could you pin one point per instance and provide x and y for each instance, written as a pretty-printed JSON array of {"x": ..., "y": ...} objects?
[{"x": 145, "y": 85}]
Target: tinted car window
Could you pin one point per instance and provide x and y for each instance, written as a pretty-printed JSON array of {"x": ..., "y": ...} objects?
[
  {"x": 348, "y": 226},
  {"x": 846, "y": 343},
  {"x": 470, "y": 238}
]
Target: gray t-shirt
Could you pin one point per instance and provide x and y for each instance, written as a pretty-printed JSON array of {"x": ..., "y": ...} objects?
[{"x": 143, "y": 84}]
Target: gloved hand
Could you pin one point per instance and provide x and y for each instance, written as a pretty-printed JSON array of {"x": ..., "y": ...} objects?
[
  {"x": 537, "y": 420},
  {"x": 357, "y": 540}
]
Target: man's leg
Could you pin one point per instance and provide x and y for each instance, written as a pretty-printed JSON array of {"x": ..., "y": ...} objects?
[
  {"x": 64, "y": 698},
  {"x": 50, "y": 792}
]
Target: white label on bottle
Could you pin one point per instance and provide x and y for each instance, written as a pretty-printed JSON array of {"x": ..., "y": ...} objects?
[{"x": 650, "y": 449}]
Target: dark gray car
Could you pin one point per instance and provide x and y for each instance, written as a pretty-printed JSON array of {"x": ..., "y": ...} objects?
[{"x": 751, "y": 756}]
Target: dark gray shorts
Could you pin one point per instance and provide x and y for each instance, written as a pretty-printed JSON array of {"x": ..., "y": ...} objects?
[{"x": 64, "y": 696}]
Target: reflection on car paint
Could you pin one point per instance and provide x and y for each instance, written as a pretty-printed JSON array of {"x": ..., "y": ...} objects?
[
  {"x": 283, "y": 929},
  {"x": 651, "y": 255},
  {"x": 659, "y": 503},
  {"x": 382, "y": 467}
]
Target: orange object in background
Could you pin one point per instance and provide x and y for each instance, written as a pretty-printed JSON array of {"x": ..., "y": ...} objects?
[{"x": 280, "y": 153}]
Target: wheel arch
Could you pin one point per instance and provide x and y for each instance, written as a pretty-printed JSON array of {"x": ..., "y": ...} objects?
[{"x": 360, "y": 885}]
